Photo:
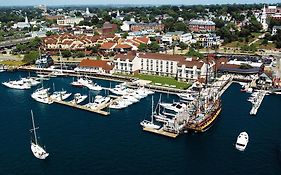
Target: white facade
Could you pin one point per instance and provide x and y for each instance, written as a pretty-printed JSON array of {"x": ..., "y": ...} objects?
[
  {"x": 69, "y": 21},
  {"x": 126, "y": 25},
  {"x": 186, "y": 69},
  {"x": 186, "y": 38},
  {"x": 158, "y": 67},
  {"x": 127, "y": 66}
]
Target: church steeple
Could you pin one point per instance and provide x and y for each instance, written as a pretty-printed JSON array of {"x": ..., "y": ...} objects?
[{"x": 26, "y": 20}]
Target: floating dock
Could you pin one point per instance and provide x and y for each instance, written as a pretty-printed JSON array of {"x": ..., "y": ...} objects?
[
  {"x": 99, "y": 110},
  {"x": 161, "y": 132}
]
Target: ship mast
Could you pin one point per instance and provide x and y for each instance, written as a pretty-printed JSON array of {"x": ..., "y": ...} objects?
[{"x": 34, "y": 129}]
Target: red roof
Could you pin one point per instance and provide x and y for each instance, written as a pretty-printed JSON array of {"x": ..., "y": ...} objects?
[
  {"x": 123, "y": 46},
  {"x": 107, "y": 45},
  {"x": 105, "y": 65}
]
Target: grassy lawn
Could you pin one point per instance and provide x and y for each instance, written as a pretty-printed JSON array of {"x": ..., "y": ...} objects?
[
  {"x": 239, "y": 44},
  {"x": 164, "y": 81},
  {"x": 268, "y": 46},
  {"x": 13, "y": 63}
]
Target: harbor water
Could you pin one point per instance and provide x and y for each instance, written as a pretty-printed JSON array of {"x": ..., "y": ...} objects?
[{"x": 81, "y": 142}]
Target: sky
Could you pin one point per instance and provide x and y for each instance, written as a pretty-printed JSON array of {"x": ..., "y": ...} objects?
[{"x": 110, "y": 2}]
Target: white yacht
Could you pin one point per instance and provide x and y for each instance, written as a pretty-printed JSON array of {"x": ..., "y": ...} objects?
[
  {"x": 98, "y": 102},
  {"x": 130, "y": 98},
  {"x": 176, "y": 106},
  {"x": 119, "y": 104},
  {"x": 60, "y": 95},
  {"x": 150, "y": 124},
  {"x": 242, "y": 141},
  {"x": 187, "y": 96},
  {"x": 80, "y": 82},
  {"x": 17, "y": 85},
  {"x": 78, "y": 98},
  {"x": 41, "y": 95},
  {"x": 30, "y": 81},
  {"x": 37, "y": 150},
  {"x": 94, "y": 87}
]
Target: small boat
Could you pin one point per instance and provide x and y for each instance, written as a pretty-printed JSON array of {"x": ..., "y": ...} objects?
[
  {"x": 37, "y": 150},
  {"x": 78, "y": 98},
  {"x": 150, "y": 124},
  {"x": 242, "y": 141}
]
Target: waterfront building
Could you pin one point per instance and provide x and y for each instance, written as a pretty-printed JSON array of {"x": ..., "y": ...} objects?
[
  {"x": 201, "y": 25},
  {"x": 95, "y": 66},
  {"x": 178, "y": 66},
  {"x": 44, "y": 61}
]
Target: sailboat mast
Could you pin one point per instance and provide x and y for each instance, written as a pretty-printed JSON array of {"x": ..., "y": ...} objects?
[
  {"x": 60, "y": 61},
  {"x": 152, "y": 109},
  {"x": 34, "y": 129}
]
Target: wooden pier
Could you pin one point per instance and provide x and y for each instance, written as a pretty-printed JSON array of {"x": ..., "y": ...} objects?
[{"x": 161, "y": 132}]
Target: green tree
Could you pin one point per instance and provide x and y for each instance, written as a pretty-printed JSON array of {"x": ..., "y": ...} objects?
[
  {"x": 142, "y": 47},
  {"x": 193, "y": 53},
  {"x": 31, "y": 57},
  {"x": 66, "y": 53},
  {"x": 124, "y": 35},
  {"x": 183, "y": 46},
  {"x": 154, "y": 47}
]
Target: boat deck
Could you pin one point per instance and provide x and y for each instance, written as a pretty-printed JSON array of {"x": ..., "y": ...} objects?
[{"x": 161, "y": 132}]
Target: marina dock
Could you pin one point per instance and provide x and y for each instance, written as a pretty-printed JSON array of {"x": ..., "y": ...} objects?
[
  {"x": 161, "y": 132},
  {"x": 98, "y": 111},
  {"x": 257, "y": 102}
]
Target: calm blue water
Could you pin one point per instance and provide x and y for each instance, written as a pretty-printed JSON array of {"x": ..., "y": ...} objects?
[{"x": 81, "y": 142}]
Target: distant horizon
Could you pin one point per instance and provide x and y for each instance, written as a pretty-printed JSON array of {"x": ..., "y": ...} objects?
[{"x": 54, "y": 3}]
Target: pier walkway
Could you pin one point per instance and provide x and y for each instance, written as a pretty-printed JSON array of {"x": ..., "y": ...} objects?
[
  {"x": 98, "y": 110},
  {"x": 257, "y": 102},
  {"x": 161, "y": 132}
]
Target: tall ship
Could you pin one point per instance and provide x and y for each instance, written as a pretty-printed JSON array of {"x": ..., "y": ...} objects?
[{"x": 206, "y": 111}]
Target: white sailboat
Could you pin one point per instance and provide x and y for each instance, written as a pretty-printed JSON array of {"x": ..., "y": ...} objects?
[
  {"x": 37, "y": 150},
  {"x": 150, "y": 124}
]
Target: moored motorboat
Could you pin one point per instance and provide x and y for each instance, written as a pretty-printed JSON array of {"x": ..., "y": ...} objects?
[
  {"x": 42, "y": 95},
  {"x": 99, "y": 102},
  {"x": 78, "y": 98},
  {"x": 242, "y": 141},
  {"x": 21, "y": 85}
]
